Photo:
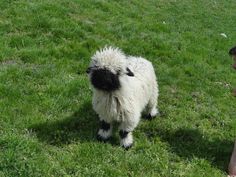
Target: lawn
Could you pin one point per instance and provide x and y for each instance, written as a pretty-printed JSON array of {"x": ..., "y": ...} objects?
[{"x": 47, "y": 124}]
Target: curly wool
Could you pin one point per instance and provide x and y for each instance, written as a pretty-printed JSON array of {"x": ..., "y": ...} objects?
[{"x": 135, "y": 94}]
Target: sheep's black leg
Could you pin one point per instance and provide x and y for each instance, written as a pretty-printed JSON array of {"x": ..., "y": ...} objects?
[
  {"x": 127, "y": 127},
  {"x": 105, "y": 131},
  {"x": 126, "y": 139}
]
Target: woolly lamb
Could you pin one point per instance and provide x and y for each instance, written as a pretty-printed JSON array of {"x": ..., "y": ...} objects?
[{"x": 123, "y": 87}]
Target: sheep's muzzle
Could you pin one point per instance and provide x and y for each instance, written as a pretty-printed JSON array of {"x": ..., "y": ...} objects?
[{"x": 105, "y": 80}]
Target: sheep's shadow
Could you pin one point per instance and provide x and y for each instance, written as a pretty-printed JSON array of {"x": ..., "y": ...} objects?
[
  {"x": 190, "y": 143},
  {"x": 81, "y": 126}
]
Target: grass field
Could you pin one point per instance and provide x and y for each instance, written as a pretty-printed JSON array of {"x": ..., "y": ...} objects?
[{"x": 47, "y": 124}]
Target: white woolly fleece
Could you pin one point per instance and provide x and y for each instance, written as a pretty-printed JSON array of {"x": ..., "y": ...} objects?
[
  {"x": 105, "y": 134},
  {"x": 110, "y": 58},
  {"x": 127, "y": 141},
  {"x": 135, "y": 94}
]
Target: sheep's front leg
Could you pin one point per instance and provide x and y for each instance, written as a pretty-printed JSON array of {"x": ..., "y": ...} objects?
[
  {"x": 126, "y": 128},
  {"x": 126, "y": 139},
  {"x": 105, "y": 131}
]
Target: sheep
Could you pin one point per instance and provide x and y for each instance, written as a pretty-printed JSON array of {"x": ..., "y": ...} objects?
[{"x": 123, "y": 88}]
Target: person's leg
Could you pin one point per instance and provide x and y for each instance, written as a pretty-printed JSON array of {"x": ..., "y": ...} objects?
[
  {"x": 232, "y": 163},
  {"x": 232, "y": 52},
  {"x": 234, "y": 92}
]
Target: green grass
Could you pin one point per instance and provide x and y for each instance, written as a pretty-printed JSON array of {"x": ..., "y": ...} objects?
[{"x": 47, "y": 124}]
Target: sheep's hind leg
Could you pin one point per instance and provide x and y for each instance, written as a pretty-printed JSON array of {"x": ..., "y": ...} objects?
[
  {"x": 152, "y": 110},
  {"x": 104, "y": 132},
  {"x": 152, "y": 113}
]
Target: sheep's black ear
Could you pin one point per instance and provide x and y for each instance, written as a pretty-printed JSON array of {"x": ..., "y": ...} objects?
[
  {"x": 129, "y": 73},
  {"x": 88, "y": 70},
  {"x": 232, "y": 51}
]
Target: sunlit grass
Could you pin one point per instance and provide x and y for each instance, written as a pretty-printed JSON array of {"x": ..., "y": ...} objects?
[{"x": 47, "y": 124}]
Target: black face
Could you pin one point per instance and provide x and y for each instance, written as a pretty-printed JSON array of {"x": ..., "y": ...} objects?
[{"x": 105, "y": 80}]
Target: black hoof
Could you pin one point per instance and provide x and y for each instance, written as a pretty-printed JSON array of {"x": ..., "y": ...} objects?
[
  {"x": 149, "y": 117},
  {"x": 127, "y": 147},
  {"x": 102, "y": 139}
]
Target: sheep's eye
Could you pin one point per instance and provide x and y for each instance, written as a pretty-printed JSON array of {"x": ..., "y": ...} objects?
[
  {"x": 88, "y": 70},
  {"x": 118, "y": 72},
  {"x": 94, "y": 67}
]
